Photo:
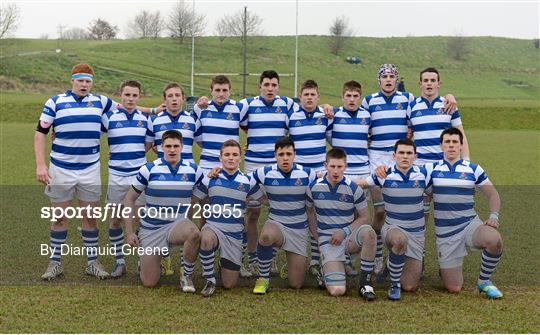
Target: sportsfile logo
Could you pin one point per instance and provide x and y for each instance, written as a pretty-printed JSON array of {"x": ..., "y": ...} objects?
[{"x": 116, "y": 211}]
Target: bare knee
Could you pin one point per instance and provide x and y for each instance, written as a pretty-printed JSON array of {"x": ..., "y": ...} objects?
[
  {"x": 409, "y": 287},
  {"x": 453, "y": 288},
  {"x": 265, "y": 239},
  {"x": 495, "y": 244},
  {"x": 399, "y": 244},
  {"x": 369, "y": 237},
  {"x": 206, "y": 242},
  {"x": 149, "y": 282},
  {"x": 194, "y": 235},
  {"x": 336, "y": 291},
  {"x": 116, "y": 223}
]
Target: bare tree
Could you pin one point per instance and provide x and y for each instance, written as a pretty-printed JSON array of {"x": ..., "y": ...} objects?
[
  {"x": 221, "y": 30},
  {"x": 9, "y": 19},
  {"x": 339, "y": 34},
  {"x": 75, "y": 33},
  {"x": 458, "y": 47},
  {"x": 102, "y": 30},
  {"x": 182, "y": 21},
  {"x": 233, "y": 25},
  {"x": 146, "y": 25}
]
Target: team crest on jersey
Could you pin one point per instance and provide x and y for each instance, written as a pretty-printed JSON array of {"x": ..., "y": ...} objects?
[
  {"x": 440, "y": 175},
  {"x": 394, "y": 184},
  {"x": 162, "y": 128},
  {"x": 258, "y": 110},
  {"x": 162, "y": 177},
  {"x": 416, "y": 184},
  {"x": 298, "y": 124},
  {"x": 89, "y": 104},
  {"x": 343, "y": 121},
  {"x": 278, "y": 110},
  {"x": 140, "y": 124},
  {"x": 378, "y": 108},
  {"x": 186, "y": 126},
  {"x": 344, "y": 198},
  {"x": 229, "y": 116},
  {"x": 241, "y": 187},
  {"x": 298, "y": 182},
  {"x": 119, "y": 125},
  {"x": 463, "y": 175},
  {"x": 68, "y": 105},
  {"x": 399, "y": 106},
  {"x": 185, "y": 177},
  {"x": 320, "y": 196},
  {"x": 419, "y": 113},
  {"x": 209, "y": 114},
  {"x": 363, "y": 121},
  {"x": 319, "y": 121},
  {"x": 218, "y": 182},
  {"x": 440, "y": 111},
  {"x": 275, "y": 183}
]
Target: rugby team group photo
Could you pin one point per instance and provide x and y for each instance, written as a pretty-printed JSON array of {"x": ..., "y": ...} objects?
[{"x": 349, "y": 189}]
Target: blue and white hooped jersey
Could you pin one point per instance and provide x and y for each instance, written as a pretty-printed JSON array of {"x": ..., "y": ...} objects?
[
  {"x": 388, "y": 118},
  {"x": 168, "y": 191},
  {"x": 77, "y": 128},
  {"x": 186, "y": 123},
  {"x": 309, "y": 132},
  {"x": 403, "y": 197},
  {"x": 428, "y": 120},
  {"x": 229, "y": 192},
  {"x": 218, "y": 124},
  {"x": 266, "y": 123},
  {"x": 335, "y": 205},
  {"x": 126, "y": 133},
  {"x": 453, "y": 194},
  {"x": 286, "y": 193},
  {"x": 350, "y": 132}
]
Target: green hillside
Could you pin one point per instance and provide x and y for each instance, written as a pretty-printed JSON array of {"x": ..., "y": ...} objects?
[
  {"x": 496, "y": 68},
  {"x": 499, "y": 77}
]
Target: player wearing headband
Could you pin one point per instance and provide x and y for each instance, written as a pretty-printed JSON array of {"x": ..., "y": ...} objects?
[{"x": 74, "y": 169}]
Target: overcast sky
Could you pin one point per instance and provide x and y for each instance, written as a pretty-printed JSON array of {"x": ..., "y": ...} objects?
[{"x": 382, "y": 18}]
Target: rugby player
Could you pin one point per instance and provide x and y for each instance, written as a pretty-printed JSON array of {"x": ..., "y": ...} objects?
[
  {"x": 285, "y": 185},
  {"x": 388, "y": 109},
  {"x": 403, "y": 232},
  {"x": 342, "y": 225},
  {"x": 223, "y": 230},
  {"x": 126, "y": 129},
  {"x": 310, "y": 129},
  {"x": 168, "y": 184},
  {"x": 74, "y": 169}
]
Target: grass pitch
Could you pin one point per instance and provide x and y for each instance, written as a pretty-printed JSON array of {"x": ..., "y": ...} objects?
[{"x": 77, "y": 303}]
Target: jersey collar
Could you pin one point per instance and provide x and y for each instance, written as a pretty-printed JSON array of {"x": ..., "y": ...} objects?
[
  {"x": 450, "y": 166},
  {"x": 431, "y": 104},
  {"x": 219, "y": 108},
  {"x": 230, "y": 176}
]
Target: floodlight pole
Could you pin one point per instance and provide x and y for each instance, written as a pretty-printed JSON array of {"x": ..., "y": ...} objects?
[
  {"x": 244, "y": 38},
  {"x": 193, "y": 48},
  {"x": 296, "y": 56}
]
